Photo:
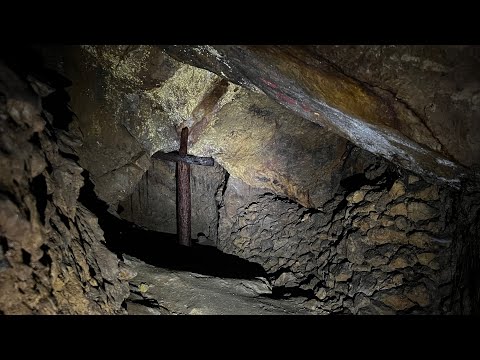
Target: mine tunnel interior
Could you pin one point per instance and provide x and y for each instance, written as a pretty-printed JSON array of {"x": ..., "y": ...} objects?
[{"x": 370, "y": 208}]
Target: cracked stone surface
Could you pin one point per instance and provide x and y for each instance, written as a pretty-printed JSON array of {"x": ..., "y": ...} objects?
[
  {"x": 53, "y": 258},
  {"x": 354, "y": 92},
  {"x": 157, "y": 291}
]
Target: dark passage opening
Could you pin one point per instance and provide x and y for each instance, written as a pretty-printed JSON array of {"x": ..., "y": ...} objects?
[{"x": 161, "y": 249}]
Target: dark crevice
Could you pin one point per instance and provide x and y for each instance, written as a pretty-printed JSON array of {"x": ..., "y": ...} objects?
[
  {"x": 289, "y": 292},
  {"x": 35, "y": 140},
  {"x": 225, "y": 183},
  {"x": 68, "y": 156},
  {"x": 161, "y": 249},
  {"x": 3, "y": 244},
  {"x": 45, "y": 260},
  {"x": 63, "y": 219},
  {"x": 10, "y": 196},
  {"x": 381, "y": 182},
  {"x": 3, "y": 249},
  {"x": 38, "y": 188},
  {"x": 151, "y": 303},
  {"x": 26, "y": 257}
]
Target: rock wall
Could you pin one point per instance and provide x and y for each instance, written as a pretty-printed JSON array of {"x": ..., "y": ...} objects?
[
  {"x": 152, "y": 203},
  {"x": 53, "y": 259},
  {"x": 382, "y": 246}
]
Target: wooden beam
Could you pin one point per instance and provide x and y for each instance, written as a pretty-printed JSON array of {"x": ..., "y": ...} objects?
[
  {"x": 183, "y": 194},
  {"x": 189, "y": 159}
]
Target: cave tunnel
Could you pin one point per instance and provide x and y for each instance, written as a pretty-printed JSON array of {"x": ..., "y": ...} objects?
[{"x": 340, "y": 180}]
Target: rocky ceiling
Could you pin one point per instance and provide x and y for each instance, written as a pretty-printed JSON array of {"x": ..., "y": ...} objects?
[{"x": 416, "y": 106}]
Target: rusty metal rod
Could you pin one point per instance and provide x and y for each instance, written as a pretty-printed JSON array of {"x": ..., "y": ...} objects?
[{"x": 184, "y": 205}]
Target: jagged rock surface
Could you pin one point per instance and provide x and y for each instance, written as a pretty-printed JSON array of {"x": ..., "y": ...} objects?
[
  {"x": 53, "y": 258},
  {"x": 377, "y": 249}
]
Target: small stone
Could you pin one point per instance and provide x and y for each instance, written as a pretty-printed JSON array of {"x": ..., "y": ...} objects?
[
  {"x": 143, "y": 288},
  {"x": 321, "y": 293},
  {"x": 373, "y": 196},
  {"x": 344, "y": 276},
  {"x": 360, "y": 301},
  {"x": 428, "y": 194},
  {"x": 418, "y": 211},
  {"x": 377, "y": 261},
  {"x": 362, "y": 283},
  {"x": 361, "y": 267},
  {"x": 354, "y": 250},
  {"x": 398, "y": 209},
  {"x": 385, "y": 235},
  {"x": 398, "y": 263},
  {"x": 397, "y": 301},
  {"x": 419, "y": 294},
  {"x": 397, "y": 190},
  {"x": 364, "y": 209},
  {"x": 356, "y": 197},
  {"x": 363, "y": 224},
  {"x": 425, "y": 258},
  {"x": 412, "y": 179},
  {"x": 311, "y": 304},
  {"x": 420, "y": 239},
  {"x": 391, "y": 282},
  {"x": 385, "y": 221},
  {"x": 401, "y": 223},
  {"x": 286, "y": 279},
  {"x": 125, "y": 272}
]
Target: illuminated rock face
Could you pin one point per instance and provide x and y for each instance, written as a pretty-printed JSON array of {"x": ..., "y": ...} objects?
[
  {"x": 416, "y": 105},
  {"x": 53, "y": 258},
  {"x": 357, "y": 254}
]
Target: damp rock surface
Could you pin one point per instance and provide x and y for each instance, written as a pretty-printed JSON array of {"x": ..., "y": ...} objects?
[
  {"x": 158, "y": 291},
  {"x": 53, "y": 258},
  {"x": 361, "y": 244}
]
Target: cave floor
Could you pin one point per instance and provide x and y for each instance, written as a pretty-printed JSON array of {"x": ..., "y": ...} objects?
[{"x": 162, "y": 291}]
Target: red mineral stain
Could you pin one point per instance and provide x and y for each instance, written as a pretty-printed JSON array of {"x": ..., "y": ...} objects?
[
  {"x": 270, "y": 84},
  {"x": 306, "y": 108},
  {"x": 286, "y": 98}
]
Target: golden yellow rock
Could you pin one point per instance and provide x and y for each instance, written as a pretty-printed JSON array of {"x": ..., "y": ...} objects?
[
  {"x": 397, "y": 302},
  {"x": 399, "y": 263},
  {"x": 356, "y": 197},
  {"x": 420, "y": 239},
  {"x": 428, "y": 194},
  {"x": 321, "y": 294},
  {"x": 377, "y": 261},
  {"x": 367, "y": 208},
  {"x": 143, "y": 288},
  {"x": 385, "y": 222},
  {"x": 425, "y": 258},
  {"x": 343, "y": 276},
  {"x": 397, "y": 190},
  {"x": 364, "y": 224},
  {"x": 418, "y": 211},
  {"x": 412, "y": 179},
  {"x": 419, "y": 295},
  {"x": 385, "y": 235},
  {"x": 398, "y": 209}
]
